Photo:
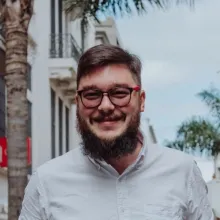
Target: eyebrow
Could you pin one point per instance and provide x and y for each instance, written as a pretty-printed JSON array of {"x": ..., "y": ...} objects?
[{"x": 113, "y": 85}]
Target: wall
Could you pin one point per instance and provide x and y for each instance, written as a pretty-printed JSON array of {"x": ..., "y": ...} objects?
[
  {"x": 40, "y": 96},
  {"x": 75, "y": 30},
  {"x": 109, "y": 26},
  {"x": 75, "y": 137},
  {"x": 40, "y": 29},
  {"x": 3, "y": 188},
  {"x": 145, "y": 128}
]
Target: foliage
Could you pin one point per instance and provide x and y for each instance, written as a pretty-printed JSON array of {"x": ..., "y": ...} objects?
[
  {"x": 212, "y": 99},
  {"x": 177, "y": 144},
  {"x": 92, "y": 8},
  {"x": 198, "y": 132}
]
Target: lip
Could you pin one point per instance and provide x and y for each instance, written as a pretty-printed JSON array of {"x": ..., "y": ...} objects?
[{"x": 108, "y": 123}]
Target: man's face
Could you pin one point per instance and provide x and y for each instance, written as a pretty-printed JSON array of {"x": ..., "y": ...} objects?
[{"x": 108, "y": 121}]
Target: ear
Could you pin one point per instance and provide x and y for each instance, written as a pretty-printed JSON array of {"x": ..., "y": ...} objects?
[{"x": 142, "y": 101}]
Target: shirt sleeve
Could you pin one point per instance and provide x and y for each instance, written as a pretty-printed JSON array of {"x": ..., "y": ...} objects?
[
  {"x": 199, "y": 207},
  {"x": 34, "y": 204}
]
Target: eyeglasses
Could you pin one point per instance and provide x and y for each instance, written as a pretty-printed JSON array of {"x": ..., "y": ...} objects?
[{"x": 119, "y": 96}]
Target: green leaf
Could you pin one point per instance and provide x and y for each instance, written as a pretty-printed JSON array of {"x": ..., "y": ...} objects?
[
  {"x": 212, "y": 99},
  {"x": 91, "y": 8},
  {"x": 199, "y": 133}
]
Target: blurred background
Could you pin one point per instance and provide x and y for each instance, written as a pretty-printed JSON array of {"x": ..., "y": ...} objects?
[{"x": 179, "y": 47}]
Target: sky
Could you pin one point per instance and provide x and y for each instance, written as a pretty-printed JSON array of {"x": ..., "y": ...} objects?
[{"x": 180, "y": 52}]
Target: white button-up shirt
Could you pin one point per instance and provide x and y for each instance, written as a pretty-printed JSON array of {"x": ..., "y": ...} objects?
[{"x": 163, "y": 184}]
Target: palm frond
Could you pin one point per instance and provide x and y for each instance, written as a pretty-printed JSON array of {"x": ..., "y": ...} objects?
[
  {"x": 91, "y": 8},
  {"x": 212, "y": 99},
  {"x": 122, "y": 7},
  {"x": 199, "y": 133},
  {"x": 177, "y": 144}
]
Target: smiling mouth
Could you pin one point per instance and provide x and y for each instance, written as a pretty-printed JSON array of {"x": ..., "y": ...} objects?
[{"x": 108, "y": 121}]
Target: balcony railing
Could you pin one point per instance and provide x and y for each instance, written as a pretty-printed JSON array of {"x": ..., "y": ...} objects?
[{"x": 64, "y": 46}]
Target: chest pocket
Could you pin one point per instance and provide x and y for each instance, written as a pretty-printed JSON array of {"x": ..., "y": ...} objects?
[{"x": 157, "y": 212}]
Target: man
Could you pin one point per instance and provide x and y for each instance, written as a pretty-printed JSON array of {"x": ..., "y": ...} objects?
[{"x": 114, "y": 174}]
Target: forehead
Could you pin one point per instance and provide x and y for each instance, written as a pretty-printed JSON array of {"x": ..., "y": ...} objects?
[{"x": 108, "y": 76}]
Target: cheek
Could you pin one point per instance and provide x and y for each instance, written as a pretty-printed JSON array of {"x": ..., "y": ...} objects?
[
  {"x": 87, "y": 114},
  {"x": 133, "y": 108}
]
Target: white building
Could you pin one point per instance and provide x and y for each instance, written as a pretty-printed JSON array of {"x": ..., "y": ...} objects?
[
  {"x": 54, "y": 67},
  {"x": 148, "y": 130}
]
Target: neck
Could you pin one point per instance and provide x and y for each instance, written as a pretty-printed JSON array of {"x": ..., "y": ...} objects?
[{"x": 120, "y": 165}]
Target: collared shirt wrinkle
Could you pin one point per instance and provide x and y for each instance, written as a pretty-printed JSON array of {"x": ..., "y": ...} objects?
[{"x": 162, "y": 184}]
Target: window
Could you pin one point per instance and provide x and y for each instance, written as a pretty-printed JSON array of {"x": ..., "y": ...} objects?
[
  {"x": 30, "y": 131},
  {"x": 29, "y": 119},
  {"x": 2, "y": 95},
  {"x": 117, "y": 42},
  {"x": 60, "y": 11},
  {"x": 53, "y": 123},
  {"x": 67, "y": 129},
  {"x": 99, "y": 40},
  {"x": 2, "y": 108},
  {"x": 60, "y": 127},
  {"x": 29, "y": 77}
]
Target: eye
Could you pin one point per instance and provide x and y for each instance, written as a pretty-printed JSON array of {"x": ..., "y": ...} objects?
[
  {"x": 120, "y": 92},
  {"x": 91, "y": 94}
]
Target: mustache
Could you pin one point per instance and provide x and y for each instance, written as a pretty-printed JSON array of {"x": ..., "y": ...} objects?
[{"x": 102, "y": 118}]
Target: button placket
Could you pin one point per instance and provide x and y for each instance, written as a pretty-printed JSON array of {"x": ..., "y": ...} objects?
[{"x": 122, "y": 199}]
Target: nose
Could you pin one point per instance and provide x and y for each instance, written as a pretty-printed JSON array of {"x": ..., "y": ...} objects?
[{"x": 106, "y": 105}]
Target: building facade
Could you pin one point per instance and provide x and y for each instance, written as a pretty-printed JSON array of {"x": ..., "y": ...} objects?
[{"x": 148, "y": 130}]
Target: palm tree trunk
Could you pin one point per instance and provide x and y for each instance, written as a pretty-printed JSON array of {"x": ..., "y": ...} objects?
[{"x": 17, "y": 114}]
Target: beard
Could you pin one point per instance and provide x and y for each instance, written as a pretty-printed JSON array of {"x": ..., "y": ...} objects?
[{"x": 105, "y": 149}]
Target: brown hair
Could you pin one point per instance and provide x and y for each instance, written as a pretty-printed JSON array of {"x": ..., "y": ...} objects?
[{"x": 103, "y": 55}]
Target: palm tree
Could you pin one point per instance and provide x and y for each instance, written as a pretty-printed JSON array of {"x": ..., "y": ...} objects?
[
  {"x": 199, "y": 133},
  {"x": 196, "y": 134},
  {"x": 15, "y": 15},
  {"x": 212, "y": 99}
]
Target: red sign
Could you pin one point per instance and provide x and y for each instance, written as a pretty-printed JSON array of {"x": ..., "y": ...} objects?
[{"x": 3, "y": 152}]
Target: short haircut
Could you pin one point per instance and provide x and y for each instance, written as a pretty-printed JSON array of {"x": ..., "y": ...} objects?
[{"x": 103, "y": 55}]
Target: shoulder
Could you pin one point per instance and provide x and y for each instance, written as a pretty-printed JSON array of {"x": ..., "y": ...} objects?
[
  {"x": 178, "y": 157},
  {"x": 172, "y": 158},
  {"x": 170, "y": 163},
  {"x": 62, "y": 164},
  {"x": 48, "y": 179},
  {"x": 55, "y": 174}
]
